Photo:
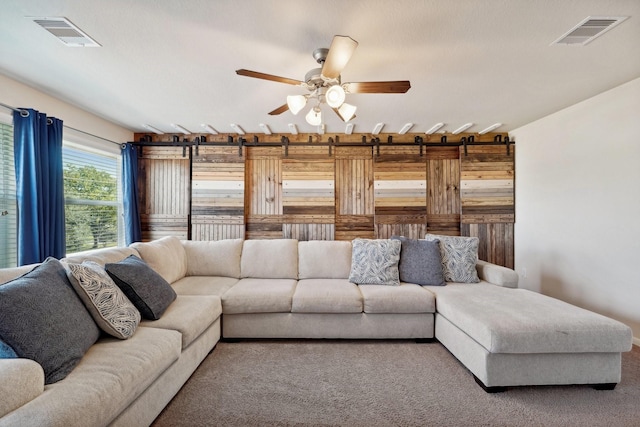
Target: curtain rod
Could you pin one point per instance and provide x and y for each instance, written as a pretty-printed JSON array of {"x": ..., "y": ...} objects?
[{"x": 65, "y": 126}]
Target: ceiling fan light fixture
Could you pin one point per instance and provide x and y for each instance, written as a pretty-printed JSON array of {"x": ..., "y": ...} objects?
[
  {"x": 314, "y": 116},
  {"x": 335, "y": 96},
  {"x": 296, "y": 103},
  {"x": 347, "y": 111}
]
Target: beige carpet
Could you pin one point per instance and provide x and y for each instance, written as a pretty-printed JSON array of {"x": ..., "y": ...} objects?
[{"x": 379, "y": 383}]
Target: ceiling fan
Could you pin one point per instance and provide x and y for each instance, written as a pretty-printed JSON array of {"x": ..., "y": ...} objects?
[{"x": 325, "y": 85}]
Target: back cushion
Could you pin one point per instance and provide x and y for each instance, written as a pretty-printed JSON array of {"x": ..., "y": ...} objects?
[
  {"x": 324, "y": 259},
  {"x": 102, "y": 256},
  {"x": 213, "y": 258},
  {"x": 165, "y": 256},
  {"x": 270, "y": 259}
]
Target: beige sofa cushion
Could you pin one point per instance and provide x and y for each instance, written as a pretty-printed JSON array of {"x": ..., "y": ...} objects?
[
  {"x": 8, "y": 274},
  {"x": 259, "y": 296},
  {"x": 110, "y": 376},
  {"x": 270, "y": 259},
  {"x": 166, "y": 256},
  {"x": 213, "y": 258},
  {"x": 21, "y": 380},
  {"x": 319, "y": 259},
  {"x": 190, "y": 315},
  {"x": 505, "y": 320},
  {"x": 326, "y": 296},
  {"x": 203, "y": 285},
  {"x": 497, "y": 274},
  {"x": 406, "y": 298}
]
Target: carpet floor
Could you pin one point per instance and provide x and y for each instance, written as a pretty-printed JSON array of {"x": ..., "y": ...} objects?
[{"x": 379, "y": 383}]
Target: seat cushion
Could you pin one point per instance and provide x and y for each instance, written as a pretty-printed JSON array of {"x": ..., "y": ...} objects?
[
  {"x": 406, "y": 298},
  {"x": 190, "y": 315},
  {"x": 505, "y": 320},
  {"x": 259, "y": 296},
  {"x": 326, "y": 296},
  {"x": 203, "y": 285}
]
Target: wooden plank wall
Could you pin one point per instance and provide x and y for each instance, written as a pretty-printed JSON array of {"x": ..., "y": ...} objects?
[
  {"x": 217, "y": 194},
  {"x": 163, "y": 181},
  {"x": 400, "y": 193},
  {"x": 487, "y": 195},
  {"x": 308, "y": 194}
]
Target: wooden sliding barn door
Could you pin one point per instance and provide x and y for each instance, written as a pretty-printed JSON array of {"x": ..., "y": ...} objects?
[
  {"x": 263, "y": 181},
  {"x": 308, "y": 194},
  {"x": 400, "y": 192},
  {"x": 164, "y": 187},
  {"x": 354, "y": 193},
  {"x": 487, "y": 197},
  {"x": 443, "y": 190},
  {"x": 217, "y": 194}
]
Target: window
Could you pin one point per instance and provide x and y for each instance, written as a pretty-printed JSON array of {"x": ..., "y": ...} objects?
[
  {"x": 8, "y": 206},
  {"x": 93, "y": 206}
]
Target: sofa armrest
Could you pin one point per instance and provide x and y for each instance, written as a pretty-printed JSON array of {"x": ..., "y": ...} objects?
[
  {"x": 497, "y": 274},
  {"x": 21, "y": 381}
]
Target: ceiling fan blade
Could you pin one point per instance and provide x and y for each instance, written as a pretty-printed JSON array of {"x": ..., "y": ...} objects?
[
  {"x": 257, "y": 75},
  {"x": 281, "y": 109},
  {"x": 400, "y": 86},
  {"x": 340, "y": 51}
]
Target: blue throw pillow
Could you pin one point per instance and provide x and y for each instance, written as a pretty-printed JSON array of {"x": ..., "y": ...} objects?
[
  {"x": 6, "y": 352},
  {"x": 420, "y": 262},
  {"x": 146, "y": 289},
  {"x": 43, "y": 319}
]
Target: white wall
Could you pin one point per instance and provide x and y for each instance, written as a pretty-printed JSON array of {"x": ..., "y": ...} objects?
[
  {"x": 18, "y": 95},
  {"x": 577, "y": 231}
]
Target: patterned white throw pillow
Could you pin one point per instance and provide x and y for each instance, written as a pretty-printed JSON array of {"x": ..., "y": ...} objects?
[
  {"x": 375, "y": 262},
  {"x": 109, "y": 306},
  {"x": 459, "y": 257}
]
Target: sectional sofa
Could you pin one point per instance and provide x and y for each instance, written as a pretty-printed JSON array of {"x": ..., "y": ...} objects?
[{"x": 282, "y": 288}]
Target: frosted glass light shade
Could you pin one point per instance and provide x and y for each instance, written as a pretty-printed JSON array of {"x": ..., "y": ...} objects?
[
  {"x": 314, "y": 117},
  {"x": 335, "y": 96},
  {"x": 296, "y": 103},
  {"x": 347, "y": 111}
]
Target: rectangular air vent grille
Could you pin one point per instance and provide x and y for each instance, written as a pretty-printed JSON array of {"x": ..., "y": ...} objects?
[
  {"x": 66, "y": 32},
  {"x": 589, "y": 29}
]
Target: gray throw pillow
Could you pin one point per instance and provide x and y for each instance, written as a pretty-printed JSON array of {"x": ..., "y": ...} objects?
[
  {"x": 108, "y": 305},
  {"x": 43, "y": 319},
  {"x": 420, "y": 262},
  {"x": 459, "y": 257},
  {"x": 375, "y": 262},
  {"x": 146, "y": 289}
]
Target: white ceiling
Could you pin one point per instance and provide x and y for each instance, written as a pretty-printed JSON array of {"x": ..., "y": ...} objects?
[{"x": 170, "y": 61}]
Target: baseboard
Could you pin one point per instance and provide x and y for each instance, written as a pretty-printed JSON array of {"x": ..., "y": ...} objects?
[{"x": 636, "y": 341}]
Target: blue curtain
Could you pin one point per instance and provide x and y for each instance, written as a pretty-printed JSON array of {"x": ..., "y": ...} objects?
[
  {"x": 132, "y": 228},
  {"x": 37, "y": 144}
]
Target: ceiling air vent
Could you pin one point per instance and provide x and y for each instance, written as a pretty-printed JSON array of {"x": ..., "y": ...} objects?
[
  {"x": 589, "y": 29},
  {"x": 66, "y": 32}
]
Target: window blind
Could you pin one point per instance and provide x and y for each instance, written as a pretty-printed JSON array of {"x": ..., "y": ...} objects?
[{"x": 8, "y": 205}]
